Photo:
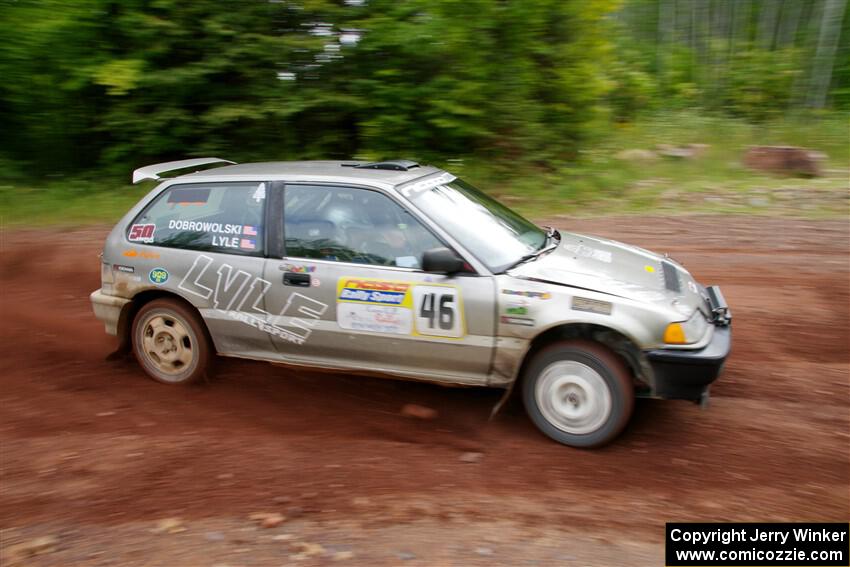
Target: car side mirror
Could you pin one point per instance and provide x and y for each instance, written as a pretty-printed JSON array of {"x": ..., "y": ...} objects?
[{"x": 442, "y": 260}]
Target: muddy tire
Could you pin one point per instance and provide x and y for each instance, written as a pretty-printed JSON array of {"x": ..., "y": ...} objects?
[
  {"x": 579, "y": 393},
  {"x": 170, "y": 342}
]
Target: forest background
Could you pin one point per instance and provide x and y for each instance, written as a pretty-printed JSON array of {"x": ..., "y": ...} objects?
[{"x": 555, "y": 106}]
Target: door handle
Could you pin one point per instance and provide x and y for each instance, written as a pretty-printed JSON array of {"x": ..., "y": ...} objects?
[{"x": 296, "y": 279}]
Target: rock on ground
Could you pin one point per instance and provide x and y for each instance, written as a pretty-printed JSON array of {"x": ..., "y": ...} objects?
[{"x": 785, "y": 160}]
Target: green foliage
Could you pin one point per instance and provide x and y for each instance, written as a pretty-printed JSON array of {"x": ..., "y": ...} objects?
[
  {"x": 756, "y": 60},
  {"x": 759, "y": 83},
  {"x": 108, "y": 85},
  {"x": 632, "y": 88},
  {"x": 111, "y": 85},
  {"x": 492, "y": 78}
]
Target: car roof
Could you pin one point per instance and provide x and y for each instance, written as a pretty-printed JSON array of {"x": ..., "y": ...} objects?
[{"x": 319, "y": 171}]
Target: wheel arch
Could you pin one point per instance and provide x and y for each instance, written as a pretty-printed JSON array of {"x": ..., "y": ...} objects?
[
  {"x": 128, "y": 313},
  {"x": 619, "y": 343}
]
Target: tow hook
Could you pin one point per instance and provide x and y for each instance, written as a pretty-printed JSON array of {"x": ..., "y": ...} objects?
[{"x": 704, "y": 400}]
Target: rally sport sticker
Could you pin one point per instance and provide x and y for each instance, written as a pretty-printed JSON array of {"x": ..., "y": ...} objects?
[{"x": 401, "y": 308}]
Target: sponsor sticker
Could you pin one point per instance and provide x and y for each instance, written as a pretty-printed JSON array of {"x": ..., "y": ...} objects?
[
  {"x": 404, "y": 308},
  {"x": 375, "y": 318},
  {"x": 133, "y": 253},
  {"x": 588, "y": 252},
  {"x": 122, "y": 268},
  {"x": 376, "y": 292},
  {"x": 141, "y": 233},
  {"x": 523, "y": 321},
  {"x": 414, "y": 188},
  {"x": 516, "y": 310},
  {"x": 189, "y": 196},
  {"x": 297, "y": 268},
  {"x": 526, "y": 293},
  {"x": 592, "y": 305},
  {"x": 158, "y": 276}
]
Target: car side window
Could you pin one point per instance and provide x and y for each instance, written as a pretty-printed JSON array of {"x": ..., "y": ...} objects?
[
  {"x": 347, "y": 224},
  {"x": 218, "y": 217}
]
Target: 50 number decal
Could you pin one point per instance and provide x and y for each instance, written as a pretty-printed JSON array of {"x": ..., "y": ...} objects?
[
  {"x": 438, "y": 311},
  {"x": 141, "y": 233}
]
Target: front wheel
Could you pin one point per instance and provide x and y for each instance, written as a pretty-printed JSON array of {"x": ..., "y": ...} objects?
[
  {"x": 170, "y": 342},
  {"x": 579, "y": 393}
]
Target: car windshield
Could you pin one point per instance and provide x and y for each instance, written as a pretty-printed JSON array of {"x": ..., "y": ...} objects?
[{"x": 496, "y": 235}]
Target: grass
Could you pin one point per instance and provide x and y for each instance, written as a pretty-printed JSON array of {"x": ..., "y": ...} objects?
[
  {"x": 67, "y": 202},
  {"x": 599, "y": 182}
]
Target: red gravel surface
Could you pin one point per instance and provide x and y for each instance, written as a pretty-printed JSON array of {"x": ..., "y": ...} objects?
[{"x": 94, "y": 456}]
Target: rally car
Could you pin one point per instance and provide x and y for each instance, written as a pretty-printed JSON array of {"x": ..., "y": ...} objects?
[{"x": 403, "y": 270}]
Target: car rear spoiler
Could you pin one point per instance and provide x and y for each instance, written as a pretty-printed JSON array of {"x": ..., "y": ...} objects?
[{"x": 153, "y": 171}]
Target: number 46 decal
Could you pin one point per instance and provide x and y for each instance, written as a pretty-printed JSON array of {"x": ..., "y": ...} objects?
[{"x": 438, "y": 310}]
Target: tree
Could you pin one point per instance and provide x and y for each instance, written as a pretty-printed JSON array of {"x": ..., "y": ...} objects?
[{"x": 830, "y": 31}]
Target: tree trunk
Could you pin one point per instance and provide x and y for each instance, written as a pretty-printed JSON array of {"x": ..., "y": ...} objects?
[
  {"x": 811, "y": 22},
  {"x": 665, "y": 20},
  {"x": 790, "y": 20},
  {"x": 767, "y": 23},
  {"x": 830, "y": 32}
]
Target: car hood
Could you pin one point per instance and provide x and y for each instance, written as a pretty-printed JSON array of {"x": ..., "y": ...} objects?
[{"x": 611, "y": 267}]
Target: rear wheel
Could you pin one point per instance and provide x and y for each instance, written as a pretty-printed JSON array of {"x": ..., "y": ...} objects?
[
  {"x": 170, "y": 342},
  {"x": 579, "y": 393}
]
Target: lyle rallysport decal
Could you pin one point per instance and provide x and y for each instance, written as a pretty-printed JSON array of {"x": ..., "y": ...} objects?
[
  {"x": 402, "y": 308},
  {"x": 238, "y": 294}
]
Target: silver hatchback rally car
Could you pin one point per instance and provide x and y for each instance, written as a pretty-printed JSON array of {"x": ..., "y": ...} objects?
[{"x": 403, "y": 270}]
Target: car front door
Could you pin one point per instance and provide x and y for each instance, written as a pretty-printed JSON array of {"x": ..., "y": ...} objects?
[{"x": 350, "y": 293}]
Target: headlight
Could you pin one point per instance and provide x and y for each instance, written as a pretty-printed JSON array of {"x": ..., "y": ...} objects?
[{"x": 686, "y": 332}]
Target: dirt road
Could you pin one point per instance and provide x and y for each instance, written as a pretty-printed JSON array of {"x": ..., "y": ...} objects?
[{"x": 94, "y": 457}]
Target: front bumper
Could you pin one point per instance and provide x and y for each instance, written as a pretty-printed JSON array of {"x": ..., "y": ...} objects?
[
  {"x": 687, "y": 374},
  {"x": 108, "y": 308}
]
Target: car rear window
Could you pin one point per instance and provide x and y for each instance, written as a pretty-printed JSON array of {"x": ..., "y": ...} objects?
[{"x": 217, "y": 217}]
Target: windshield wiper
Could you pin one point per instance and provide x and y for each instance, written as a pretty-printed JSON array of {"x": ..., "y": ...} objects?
[{"x": 553, "y": 238}]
